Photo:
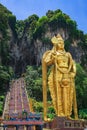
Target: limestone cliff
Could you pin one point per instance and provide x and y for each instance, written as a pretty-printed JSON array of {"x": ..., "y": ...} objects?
[{"x": 29, "y": 39}]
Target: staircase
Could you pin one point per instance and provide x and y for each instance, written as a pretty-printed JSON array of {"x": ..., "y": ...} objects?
[{"x": 16, "y": 103}]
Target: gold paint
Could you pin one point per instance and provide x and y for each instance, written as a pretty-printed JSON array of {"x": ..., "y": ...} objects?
[{"x": 61, "y": 79}]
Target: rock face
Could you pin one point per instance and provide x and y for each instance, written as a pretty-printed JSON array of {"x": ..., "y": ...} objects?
[
  {"x": 25, "y": 49},
  {"x": 24, "y": 53}
]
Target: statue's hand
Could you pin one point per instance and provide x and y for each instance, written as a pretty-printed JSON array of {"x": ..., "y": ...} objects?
[
  {"x": 72, "y": 75},
  {"x": 54, "y": 55}
]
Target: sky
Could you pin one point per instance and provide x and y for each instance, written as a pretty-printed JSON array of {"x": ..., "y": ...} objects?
[{"x": 76, "y": 9}]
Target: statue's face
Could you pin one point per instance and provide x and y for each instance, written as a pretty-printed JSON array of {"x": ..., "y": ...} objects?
[{"x": 60, "y": 45}]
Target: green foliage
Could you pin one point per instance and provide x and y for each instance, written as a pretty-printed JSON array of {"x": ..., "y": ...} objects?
[
  {"x": 3, "y": 23},
  {"x": 1, "y": 104},
  {"x": 12, "y": 22},
  {"x": 34, "y": 82},
  {"x": 4, "y": 15},
  {"x": 4, "y": 10},
  {"x": 4, "y": 52},
  {"x": 5, "y": 75},
  {"x": 72, "y": 29},
  {"x": 36, "y": 27},
  {"x": 40, "y": 27},
  {"x": 19, "y": 27},
  {"x": 46, "y": 40},
  {"x": 83, "y": 114},
  {"x": 50, "y": 13},
  {"x": 58, "y": 20},
  {"x": 42, "y": 21},
  {"x": 6, "y": 20},
  {"x": 31, "y": 19},
  {"x": 38, "y": 106},
  {"x": 83, "y": 45},
  {"x": 10, "y": 71},
  {"x": 81, "y": 87},
  {"x": 55, "y": 20},
  {"x": 1, "y": 108},
  {"x": 31, "y": 23},
  {"x": 71, "y": 24},
  {"x": 67, "y": 44},
  {"x": 51, "y": 112},
  {"x": 2, "y": 98}
]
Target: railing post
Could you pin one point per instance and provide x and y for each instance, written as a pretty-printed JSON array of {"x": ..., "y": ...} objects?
[
  {"x": 26, "y": 127},
  {"x": 41, "y": 126},
  {"x": 4, "y": 127},
  {"x": 17, "y": 127}
]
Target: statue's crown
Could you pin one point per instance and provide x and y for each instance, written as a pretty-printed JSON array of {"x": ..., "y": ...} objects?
[{"x": 56, "y": 38}]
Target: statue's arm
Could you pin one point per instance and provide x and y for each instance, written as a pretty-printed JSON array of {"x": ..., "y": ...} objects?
[
  {"x": 73, "y": 69},
  {"x": 72, "y": 66},
  {"x": 48, "y": 58}
]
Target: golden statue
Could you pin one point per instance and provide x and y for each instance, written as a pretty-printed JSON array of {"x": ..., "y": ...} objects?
[{"x": 61, "y": 79}]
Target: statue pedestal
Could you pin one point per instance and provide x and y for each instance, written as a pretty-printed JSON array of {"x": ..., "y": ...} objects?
[{"x": 62, "y": 123}]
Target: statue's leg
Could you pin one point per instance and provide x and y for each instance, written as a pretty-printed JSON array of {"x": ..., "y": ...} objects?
[
  {"x": 60, "y": 100},
  {"x": 69, "y": 100},
  {"x": 65, "y": 100}
]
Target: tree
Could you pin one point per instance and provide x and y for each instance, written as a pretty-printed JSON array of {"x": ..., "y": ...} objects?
[
  {"x": 81, "y": 87},
  {"x": 34, "y": 82}
]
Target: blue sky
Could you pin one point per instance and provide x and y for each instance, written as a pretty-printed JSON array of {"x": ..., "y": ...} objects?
[{"x": 76, "y": 9}]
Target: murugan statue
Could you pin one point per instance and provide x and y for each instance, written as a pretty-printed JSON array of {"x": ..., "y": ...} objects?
[{"x": 60, "y": 80}]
